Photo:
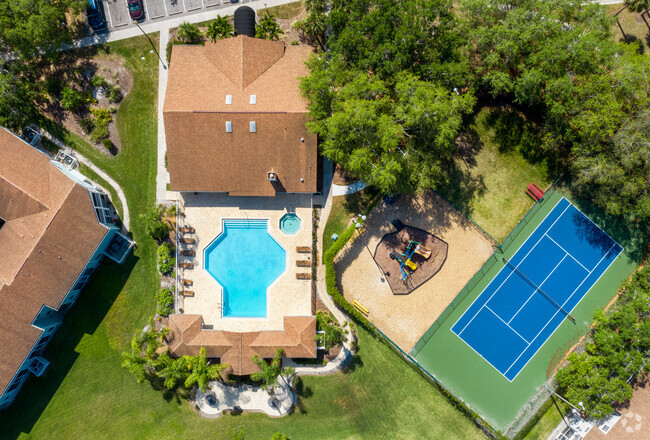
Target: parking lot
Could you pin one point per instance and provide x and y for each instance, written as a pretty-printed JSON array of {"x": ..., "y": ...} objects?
[{"x": 117, "y": 11}]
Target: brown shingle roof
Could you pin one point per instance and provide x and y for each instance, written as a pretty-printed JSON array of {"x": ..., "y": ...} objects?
[
  {"x": 202, "y": 156},
  {"x": 238, "y": 349},
  {"x": 51, "y": 233}
]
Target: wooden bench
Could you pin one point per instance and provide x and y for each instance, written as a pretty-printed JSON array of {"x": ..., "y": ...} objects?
[
  {"x": 303, "y": 263},
  {"x": 188, "y": 253},
  {"x": 186, "y": 229},
  {"x": 303, "y": 276},
  {"x": 186, "y": 265},
  {"x": 359, "y": 307},
  {"x": 303, "y": 249},
  {"x": 534, "y": 191},
  {"x": 187, "y": 293}
]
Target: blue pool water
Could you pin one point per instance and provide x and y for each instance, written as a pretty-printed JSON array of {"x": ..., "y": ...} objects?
[{"x": 245, "y": 260}]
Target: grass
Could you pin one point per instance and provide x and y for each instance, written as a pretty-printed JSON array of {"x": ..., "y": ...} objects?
[
  {"x": 286, "y": 11},
  {"x": 546, "y": 420},
  {"x": 498, "y": 162},
  {"x": 88, "y": 172},
  {"x": 85, "y": 393},
  {"x": 633, "y": 30},
  {"x": 344, "y": 208}
]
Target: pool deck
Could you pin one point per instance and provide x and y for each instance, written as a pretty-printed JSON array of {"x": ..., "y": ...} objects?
[{"x": 287, "y": 296}]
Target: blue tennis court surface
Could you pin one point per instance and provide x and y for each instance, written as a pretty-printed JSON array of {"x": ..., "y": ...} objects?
[{"x": 527, "y": 300}]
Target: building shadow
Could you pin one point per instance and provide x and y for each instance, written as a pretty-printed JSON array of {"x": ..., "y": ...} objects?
[{"x": 83, "y": 319}]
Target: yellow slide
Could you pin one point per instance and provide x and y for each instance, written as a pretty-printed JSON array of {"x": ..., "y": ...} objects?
[{"x": 411, "y": 264}]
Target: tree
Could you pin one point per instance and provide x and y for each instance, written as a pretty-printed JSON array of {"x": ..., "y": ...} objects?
[
  {"x": 153, "y": 222},
  {"x": 219, "y": 28},
  {"x": 313, "y": 27},
  {"x": 134, "y": 361},
  {"x": 173, "y": 370},
  {"x": 269, "y": 372},
  {"x": 398, "y": 137},
  {"x": 616, "y": 174},
  {"x": 200, "y": 372},
  {"x": 16, "y": 100},
  {"x": 189, "y": 33},
  {"x": 639, "y": 7},
  {"x": 268, "y": 29}
]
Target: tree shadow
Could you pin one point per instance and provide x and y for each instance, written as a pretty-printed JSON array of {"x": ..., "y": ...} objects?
[
  {"x": 83, "y": 319},
  {"x": 302, "y": 392},
  {"x": 460, "y": 187},
  {"x": 513, "y": 132},
  {"x": 354, "y": 363},
  {"x": 633, "y": 39}
]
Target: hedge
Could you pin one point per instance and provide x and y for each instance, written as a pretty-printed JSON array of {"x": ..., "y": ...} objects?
[{"x": 330, "y": 278}]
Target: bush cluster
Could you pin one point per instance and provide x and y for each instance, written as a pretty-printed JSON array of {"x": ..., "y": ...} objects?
[
  {"x": 334, "y": 334},
  {"x": 166, "y": 260},
  {"x": 154, "y": 224},
  {"x": 165, "y": 301}
]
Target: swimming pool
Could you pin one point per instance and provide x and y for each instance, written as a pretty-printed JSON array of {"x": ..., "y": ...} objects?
[{"x": 245, "y": 259}]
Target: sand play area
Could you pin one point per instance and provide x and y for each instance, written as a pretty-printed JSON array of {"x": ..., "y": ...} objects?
[{"x": 405, "y": 318}]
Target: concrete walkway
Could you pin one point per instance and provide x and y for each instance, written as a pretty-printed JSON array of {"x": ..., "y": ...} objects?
[
  {"x": 342, "y": 190},
  {"x": 162, "y": 176},
  {"x": 126, "y": 218}
]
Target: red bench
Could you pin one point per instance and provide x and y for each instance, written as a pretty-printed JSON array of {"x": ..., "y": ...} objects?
[{"x": 534, "y": 191}]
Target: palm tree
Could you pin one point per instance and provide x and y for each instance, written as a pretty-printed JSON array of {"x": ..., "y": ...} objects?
[
  {"x": 189, "y": 33},
  {"x": 134, "y": 362},
  {"x": 219, "y": 29},
  {"x": 639, "y": 7},
  {"x": 313, "y": 26},
  {"x": 269, "y": 372},
  {"x": 172, "y": 370},
  {"x": 200, "y": 372},
  {"x": 268, "y": 29}
]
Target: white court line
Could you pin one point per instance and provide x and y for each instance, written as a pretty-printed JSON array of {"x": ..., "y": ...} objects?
[
  {"x": 516, "y": 267},
  {"x": 515, "y": 331},
  {"x": 567, "y": 252},
  {"x": 535, "y": 291},
  {"x": 567, "y": 300}
]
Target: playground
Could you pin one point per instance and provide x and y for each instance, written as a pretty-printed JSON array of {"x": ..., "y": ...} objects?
[
  {"x": 409, "y": 257},
  {"x": 405, "y": 318}
]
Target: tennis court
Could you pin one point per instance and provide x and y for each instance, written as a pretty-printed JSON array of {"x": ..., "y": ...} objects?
[{"x": 537, "y": 289}]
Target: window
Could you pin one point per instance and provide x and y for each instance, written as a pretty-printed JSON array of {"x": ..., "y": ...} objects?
[
  {"x": 253, "y": 99},
  {"x": 87, "y": 272},
  {"x": 228, "y": 126},
  {"x": 78, "y": 286},
  {"x": 253, "y": 126},
  {"x": 228, "y": 99},
  {"x": 42, "y": 343}
]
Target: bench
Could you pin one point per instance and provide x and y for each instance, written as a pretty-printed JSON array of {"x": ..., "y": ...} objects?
[
  {"x": 187, "y": 293},
  {"x": 188, "y": 253},
  {"x": 359, "y": 307},
  {"x": 303, "y": 263},
  {"x": 534, "y": 191},
  {"x": 303, "y": 276},
  {"x": 303, "y": 249}
]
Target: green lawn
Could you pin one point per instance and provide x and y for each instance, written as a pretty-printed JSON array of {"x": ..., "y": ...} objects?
[
  {"x": 88, "y": 172},
  {"x": 500, "y": 160},
  {"x": 633, "y": 30},
  {"x": 86, "y": 394},
  {"x": 286, "y": 11},
  {"x": 344, "y": 208}
]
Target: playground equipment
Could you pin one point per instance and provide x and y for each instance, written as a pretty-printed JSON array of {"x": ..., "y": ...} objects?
[
  {"x": 407, "y": 262},
  {"x": 416, "y": 247}
]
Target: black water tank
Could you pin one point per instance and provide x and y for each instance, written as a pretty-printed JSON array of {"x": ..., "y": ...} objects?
[{"x": 245, "y": 21}]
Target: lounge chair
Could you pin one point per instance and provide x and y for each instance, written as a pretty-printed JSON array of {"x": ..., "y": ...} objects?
[
  {"x": 187, "y": 293},
  {"x": 188, "y": 240},
  {"x": 188, "y": 282},
  {"x": 186, "y": 265},
  {"x": 187, "y": 229},
  {"x": 188, "y": 253},
  {"x": 303, "y": 276},
  {"x": 303, "y": 249},
  {"x": 303, "y": 263}
]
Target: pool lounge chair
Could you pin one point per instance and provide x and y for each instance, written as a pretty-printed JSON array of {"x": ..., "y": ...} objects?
[
  {"x": 303, "y": 276},
  {"x": 188, "y": 253},
  {"x": 188, "y": 293},
  {"x": 186, "y": 265},
  {"x": 187, "y": 229},
  {"x": 188, "y": 240},
  {"x": 188, "y": 282},
  {"x": 303, "y": 263},
  {"x": 303, "y": 249}
]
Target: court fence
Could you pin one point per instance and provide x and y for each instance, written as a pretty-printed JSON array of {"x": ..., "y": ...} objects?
[{"x": 530, "y": 410}]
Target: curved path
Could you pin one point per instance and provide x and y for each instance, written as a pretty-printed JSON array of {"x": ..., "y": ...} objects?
[
  {"x": 342, "y": 190},
  {"x": 126, "y": 218}
]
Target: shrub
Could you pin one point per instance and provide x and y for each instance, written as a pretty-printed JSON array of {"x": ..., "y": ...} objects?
[
  {"x": 99, "y": 132},
  {"x": 101, "y": 116},
  {"x": 87, "y": 125},
  {"x": 168, "y": 50},
  {"x": 153, "y": 223},
  {"x": 108, "y": 144},
  {"x": 189, "y": 33},
  {"x": 165, "y": 301},
  {"x": 166, "y": 260},
  {"x": 71, "y": 99},
  {"x": 99, "y": 81},
  {"x": 334, "y": 334},
  {"x": 114, "y": 94}
]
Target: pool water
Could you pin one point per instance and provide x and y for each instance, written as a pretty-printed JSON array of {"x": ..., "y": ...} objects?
[
  {"x": 245, "y": 260},
  {"x": 290, "y": 224}
]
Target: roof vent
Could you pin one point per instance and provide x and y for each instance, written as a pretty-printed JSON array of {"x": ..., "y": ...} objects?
[
  {"x": 228, "y": 126},
  {"x": 253, "y": 127},
  {"x": 228, "y": 99},
  {"x": 253, "y": 99},
  {"x": 271, "y": 176}
]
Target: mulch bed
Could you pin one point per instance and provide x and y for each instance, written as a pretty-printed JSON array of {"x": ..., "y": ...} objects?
[{"x": 426, "y": 269}]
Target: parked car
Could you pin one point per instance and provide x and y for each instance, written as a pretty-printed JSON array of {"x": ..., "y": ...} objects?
[
  {"x": 136, "y": 10},
  {"x": 95, "y": 12}
]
